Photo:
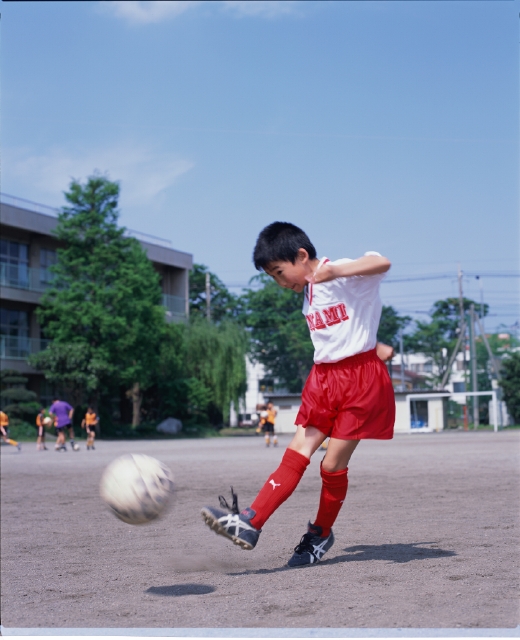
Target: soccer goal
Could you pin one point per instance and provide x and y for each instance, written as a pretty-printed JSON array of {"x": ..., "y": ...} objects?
[{"x": 420, "y": 426}]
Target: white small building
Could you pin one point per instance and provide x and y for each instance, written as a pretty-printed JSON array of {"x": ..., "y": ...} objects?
[{"x": 419, "y": 415}]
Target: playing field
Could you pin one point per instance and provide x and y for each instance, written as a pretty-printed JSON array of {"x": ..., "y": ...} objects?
[{"x": 428, "y": 537}]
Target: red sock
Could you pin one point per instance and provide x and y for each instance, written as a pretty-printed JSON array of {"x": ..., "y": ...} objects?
[
  {"x": 333, "y": 493},
  {"x": 279, "y": 486}
]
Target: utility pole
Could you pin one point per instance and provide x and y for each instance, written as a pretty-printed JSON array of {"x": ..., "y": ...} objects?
[
  {"x": 208, "y": 297},
  {"x": 473, "y": 356},
  {"x": 401, "y": 352},
  {"x": 462, "y": 330},
  {"x": 481, "y": 314},
  {"x": 461, "y": 298}
]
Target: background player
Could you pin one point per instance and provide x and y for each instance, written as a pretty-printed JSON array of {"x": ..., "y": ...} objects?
[
  {"x": 268, "y": 422},
  {"x": 40, "y": 430},
  {"x": 348, "y": 395},
  {"x": 63, "y": 413},
  {"x": 90, "y": 422},
  {"x": 4, "y": 426}
]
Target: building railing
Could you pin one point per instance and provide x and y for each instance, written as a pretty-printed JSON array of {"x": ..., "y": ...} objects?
[
  {"x": 175, "y": 305},
  {"x": 20, "y": 347},
  {"x": 20, "y": 276}
]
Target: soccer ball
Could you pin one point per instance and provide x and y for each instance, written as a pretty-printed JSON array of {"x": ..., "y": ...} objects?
[
  {"x": 136, "y": 487},
  {"x": 47, "y": 421},
  {"x": 76, "y": 447}
]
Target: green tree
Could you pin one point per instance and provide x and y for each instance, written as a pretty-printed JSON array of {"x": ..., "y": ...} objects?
[
  {"x": 390, "y": 325},
  {"x": 17, "y": 401},
  {"x": 437, "y": 338},
  {"x": 279, "y": 334},
  {"x": 73, "y": 369},
  {"x": 511, "y": 384},
  {"x": 215, "y": 364},
  {"x": 105, "y": 291},
  {"x": 223, "y": 303}
]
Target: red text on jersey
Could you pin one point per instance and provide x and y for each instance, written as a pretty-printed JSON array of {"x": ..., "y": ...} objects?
[{"x": 327, "y": 317}]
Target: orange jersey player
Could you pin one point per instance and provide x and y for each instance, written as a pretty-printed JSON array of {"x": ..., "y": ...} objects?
[
  {"x": 40, "y": 430},
  {"x": 4, "y": 425},
  {"x": 267, "y": 422},
  {"x": 90, "y": 422}
]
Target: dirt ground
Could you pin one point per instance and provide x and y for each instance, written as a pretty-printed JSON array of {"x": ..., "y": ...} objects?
[{"x": 428, "y": 538}]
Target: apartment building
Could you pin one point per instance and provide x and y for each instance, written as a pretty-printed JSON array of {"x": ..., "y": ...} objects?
[{"x": 28, "y": 250}]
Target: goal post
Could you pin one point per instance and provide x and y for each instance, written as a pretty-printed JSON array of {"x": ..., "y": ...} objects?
[{"x": 424, "y": 396}]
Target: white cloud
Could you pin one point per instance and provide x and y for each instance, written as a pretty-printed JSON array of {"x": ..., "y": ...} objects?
[
  {"x": 147, "y": 11},
  {"x": 143, "y": 171},
  {"x": 153, "y": 11},
  {"x": 261, "y": 8}
]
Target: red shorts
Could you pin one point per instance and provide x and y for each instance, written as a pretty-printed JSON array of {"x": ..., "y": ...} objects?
[{"x": 351, "y": 399}]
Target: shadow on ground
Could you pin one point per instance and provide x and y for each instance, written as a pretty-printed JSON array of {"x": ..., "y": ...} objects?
[
  {"x": 181, "y": 590},
  {"x": 398, "y": 553}
]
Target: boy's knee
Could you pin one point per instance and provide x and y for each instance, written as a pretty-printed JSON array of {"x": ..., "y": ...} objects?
[{"x": 332, "y": 465}]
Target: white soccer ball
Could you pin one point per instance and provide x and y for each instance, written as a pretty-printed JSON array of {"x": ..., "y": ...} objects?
[
  {"x": 47, "y": 421},
  {"x": 136, "y": 487},
  {"x": 76, "y": 447}
]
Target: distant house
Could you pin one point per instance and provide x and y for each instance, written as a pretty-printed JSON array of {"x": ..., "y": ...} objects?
[{"x": 27, "y": 251}]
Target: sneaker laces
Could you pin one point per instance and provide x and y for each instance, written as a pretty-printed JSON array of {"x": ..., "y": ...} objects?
[
  {"x": 224, "y": 503},
  {"x": 305, "y": 544}
]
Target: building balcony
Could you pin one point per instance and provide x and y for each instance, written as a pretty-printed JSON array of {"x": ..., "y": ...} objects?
[
  {"x": 20, "y": 347},
  {"x": 19, "y": 276}
]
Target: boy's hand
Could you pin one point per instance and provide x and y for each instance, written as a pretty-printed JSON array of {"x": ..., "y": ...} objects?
[
  {"x": 325, "y": 273},
  {"x": 384, "y": 352}
]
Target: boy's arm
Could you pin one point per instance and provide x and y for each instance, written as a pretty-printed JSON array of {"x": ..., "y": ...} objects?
[{"x": 365, "y": 266}]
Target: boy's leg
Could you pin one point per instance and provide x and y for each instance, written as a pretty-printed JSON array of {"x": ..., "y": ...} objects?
[
  {"x": 282, "y": 482},
  {"x": 279, "y": 486},
  {"x": 319, "y": 537},
  {"x": 334, "y": 470}
]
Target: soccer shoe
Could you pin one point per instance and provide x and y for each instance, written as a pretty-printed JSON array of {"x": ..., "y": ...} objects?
[
  {"x": 312, "y": 547},
  {"x": 234, "y": 524}
]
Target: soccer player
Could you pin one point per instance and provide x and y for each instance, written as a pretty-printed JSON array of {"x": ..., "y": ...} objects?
[
  {"x": 63, "y": 413},
  {"x": 90, "y": 422},
  {"x": 348, "y": 395},
  {"x": 4, "y": 425},
  {"x": 268, "y": 422},
  {"x": 40, "y": 430}
]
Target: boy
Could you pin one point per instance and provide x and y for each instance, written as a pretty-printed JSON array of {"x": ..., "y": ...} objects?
[
  {"x": 40, "y": 430},
  {"x": 268, "y": 422},
  {"x": 90, "y": 422},
  {"x": 63, "y": 413},
  {"x": 4, "y": 425},
  {"x": 348, "y": 395}
]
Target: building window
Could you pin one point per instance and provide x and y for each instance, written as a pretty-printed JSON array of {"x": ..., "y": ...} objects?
[
  {"x": 266, "y": 385},
  {"x": 459, "y": 387},
  {"x": 14, "y": 333},
  {"x": 48, "y": 257},
  {"x": 14, "y": 263}
]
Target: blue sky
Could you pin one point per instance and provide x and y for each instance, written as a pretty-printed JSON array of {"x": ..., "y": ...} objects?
[{"x": 389, "y": 126}]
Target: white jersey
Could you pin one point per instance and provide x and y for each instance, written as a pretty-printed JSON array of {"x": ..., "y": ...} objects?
[{"x": 343, "y": 314}]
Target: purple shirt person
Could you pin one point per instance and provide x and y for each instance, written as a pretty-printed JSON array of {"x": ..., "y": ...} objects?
[{"x": 62, "y": 411}]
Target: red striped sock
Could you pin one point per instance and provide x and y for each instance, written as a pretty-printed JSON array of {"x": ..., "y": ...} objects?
[
  {"x": 279, "y": 486},
  {"x": 333, "y": 492}
]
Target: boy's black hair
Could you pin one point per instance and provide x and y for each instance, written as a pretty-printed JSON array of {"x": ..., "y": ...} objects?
[{"x": 281, "y": 241}]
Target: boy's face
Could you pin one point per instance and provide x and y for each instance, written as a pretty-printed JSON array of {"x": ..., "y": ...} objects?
[{"x": 289, "y": 275}]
